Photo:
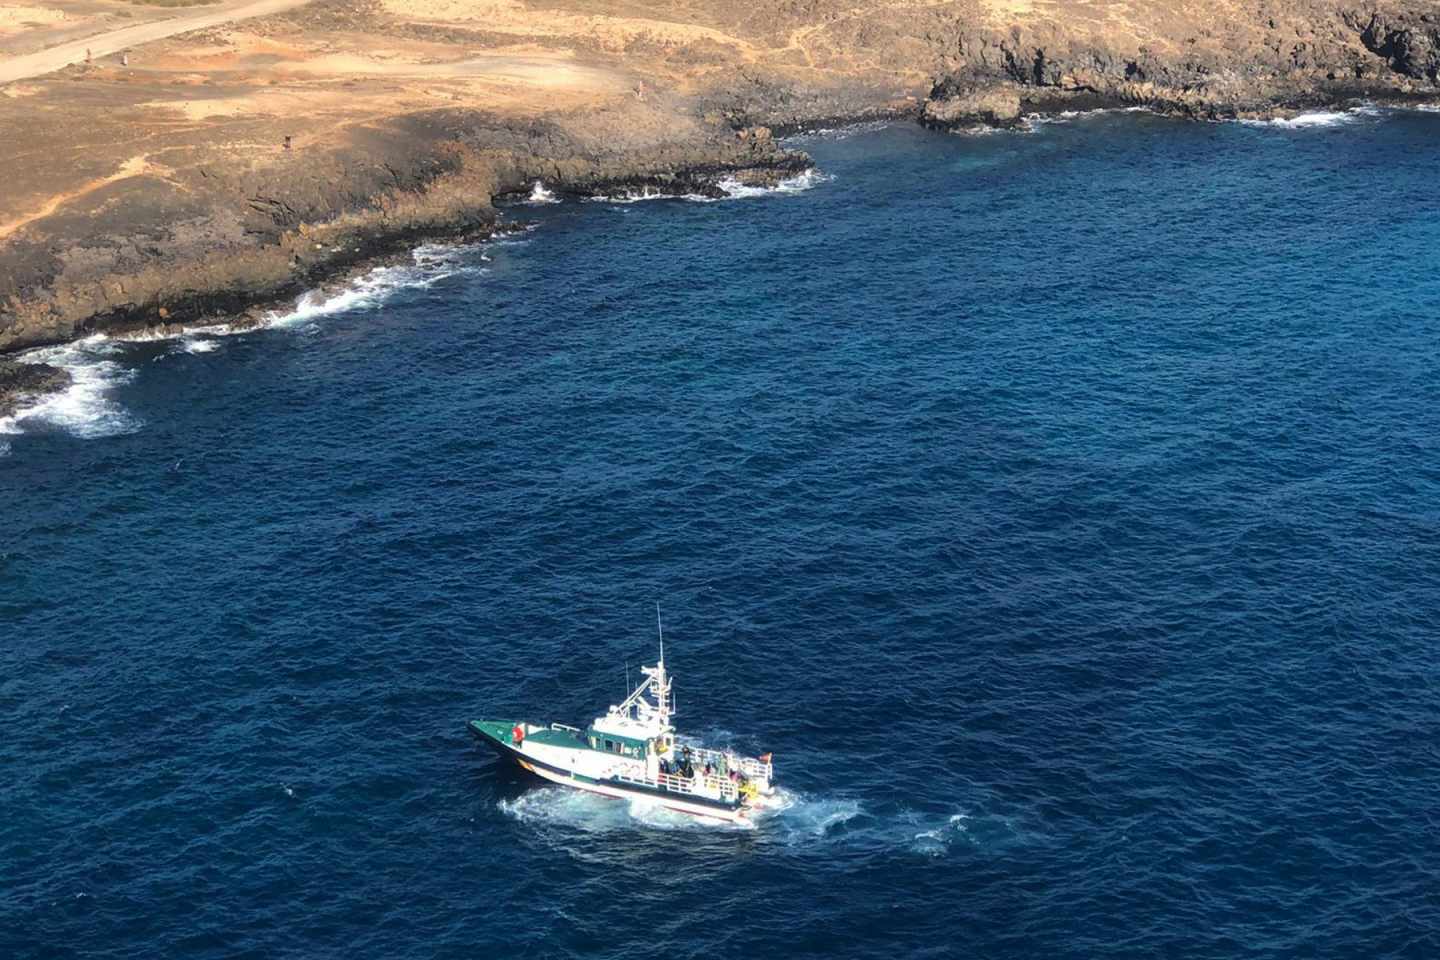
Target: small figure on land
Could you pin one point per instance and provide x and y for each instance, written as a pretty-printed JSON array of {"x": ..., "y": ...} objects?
[
  {"x": 640, "y": 90},
  {"x": 124, "y": 59},
  {"x": 88, "y": 58},
  {"x": 287, "y": 141}
]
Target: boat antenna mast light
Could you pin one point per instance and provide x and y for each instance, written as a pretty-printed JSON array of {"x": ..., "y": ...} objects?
[{"x": 656, "y": 683}]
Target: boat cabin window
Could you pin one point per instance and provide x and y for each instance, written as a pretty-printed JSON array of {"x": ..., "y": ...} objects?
[{"x": 609, "y": 746}]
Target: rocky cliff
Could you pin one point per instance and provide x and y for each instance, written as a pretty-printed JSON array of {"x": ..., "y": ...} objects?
[{"x": 212, "y": 171}]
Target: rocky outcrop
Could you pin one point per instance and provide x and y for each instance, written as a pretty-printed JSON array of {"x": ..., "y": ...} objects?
[
  {"x": 225, "y": 213},
  {"x": 955, "y": 102},
  {"x": 265, "y": 236},
  {"x": 1300, "y": 57},
  {"x": 1410, "y": 44},
  {"x": 22, "y": 381}
]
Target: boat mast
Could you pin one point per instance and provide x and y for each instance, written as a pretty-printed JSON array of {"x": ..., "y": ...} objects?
[{"x": 662, "y": 685}]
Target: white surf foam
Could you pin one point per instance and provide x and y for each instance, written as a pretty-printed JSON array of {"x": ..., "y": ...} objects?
[
  {"x": 838, "y": 133},
  {"x": 97, "y": 365},
  {"x": 539, "y": 195},
  {"x": 790, "y": 185},
  {"x": 798, "y": 818},
  {"x": 590, "y": 813},
  {"x": 647, "y": 193},
  {"x": 1032, "y": 120},
  {"x": 731, "y": 186},
  {"x": 1317, "y": 118},
  {"x": 429, "y": 264},
  {"x": 193, "y": 344},
  {"x": 83, "y": 409}
]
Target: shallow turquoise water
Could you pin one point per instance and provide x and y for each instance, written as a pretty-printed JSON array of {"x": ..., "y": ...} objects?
[{"x": 1061, "y": 508}]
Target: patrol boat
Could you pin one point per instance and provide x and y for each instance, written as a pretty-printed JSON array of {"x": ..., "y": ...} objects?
[{"x": 631, "y": 753}]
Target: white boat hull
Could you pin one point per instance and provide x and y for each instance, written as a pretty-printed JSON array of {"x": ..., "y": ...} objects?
[{"x": 739, "y": 815}]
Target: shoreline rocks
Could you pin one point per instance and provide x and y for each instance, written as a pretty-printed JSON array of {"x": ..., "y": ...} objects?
[
  {"x": 21, "y": 381},
  {"x": 205, "y": 237}
]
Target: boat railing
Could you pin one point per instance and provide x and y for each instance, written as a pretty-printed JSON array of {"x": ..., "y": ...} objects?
[
  {"x": 719, "y": 759},
  {"x": 698, "y": 785},
  {"x": 759, "y": 769}
]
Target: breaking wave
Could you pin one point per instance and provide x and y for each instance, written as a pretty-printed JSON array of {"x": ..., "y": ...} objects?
[
  {"x": 539, "y": 195},
  {"x": 732, "y": 187},
  {"x": 796, "y": 184},
  {"x": 98, "y": 364},
  {"x": 1033, "y": 120},
  {"x": 430, "y": 264},
  {"x": 84, "y": 408},
  {"x": 838, "y": 133},
  {"x": 1317, "y": 118}
]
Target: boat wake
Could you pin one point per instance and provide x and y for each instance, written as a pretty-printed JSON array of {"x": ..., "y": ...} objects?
[
  {"x": 792, "y": 819},
  {"x": 1033, "y": 122},
  {"x": 805, "y": 820},
  {"x": 591, "y": 813}
]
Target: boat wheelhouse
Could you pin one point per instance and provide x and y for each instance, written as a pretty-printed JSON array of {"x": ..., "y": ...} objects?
[{"x": 632, "y": 752}]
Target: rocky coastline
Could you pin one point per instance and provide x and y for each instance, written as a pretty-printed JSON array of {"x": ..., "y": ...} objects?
[{"x": 176, "y": 242}]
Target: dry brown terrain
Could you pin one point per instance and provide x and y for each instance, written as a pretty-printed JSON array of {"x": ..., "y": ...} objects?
[{"x": 161, "y": 191}]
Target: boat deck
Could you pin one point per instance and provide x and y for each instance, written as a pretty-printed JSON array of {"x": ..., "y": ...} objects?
[{"x": 500, "y": 730}]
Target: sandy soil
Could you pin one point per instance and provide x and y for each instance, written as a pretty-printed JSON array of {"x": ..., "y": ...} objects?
[
  {"x": 60, "y": 55},
  {"x": 134, "y": 186}
]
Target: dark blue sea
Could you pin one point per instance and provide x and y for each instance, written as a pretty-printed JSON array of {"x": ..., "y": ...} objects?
[{"x": 1061, "y": 507}]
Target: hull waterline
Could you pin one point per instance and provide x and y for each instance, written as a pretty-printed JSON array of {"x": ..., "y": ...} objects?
[{"x": 723, "y": 812}]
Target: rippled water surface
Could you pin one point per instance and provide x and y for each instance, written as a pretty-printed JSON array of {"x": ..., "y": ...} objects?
[{"x": 1061, "y": 508}]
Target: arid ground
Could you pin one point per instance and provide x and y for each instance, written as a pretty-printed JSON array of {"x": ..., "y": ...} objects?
[{"x": 168, "y": 163}]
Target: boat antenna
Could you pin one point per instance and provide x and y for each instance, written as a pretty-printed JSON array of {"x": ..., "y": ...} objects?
[{"x": 661, "y": 628}]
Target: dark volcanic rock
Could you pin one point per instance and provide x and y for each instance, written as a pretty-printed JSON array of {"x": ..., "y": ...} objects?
[
  {"x": 955, "y": 102},
  {"x": 1412, "y": 49},
  {"x": 21, "y": 381}
]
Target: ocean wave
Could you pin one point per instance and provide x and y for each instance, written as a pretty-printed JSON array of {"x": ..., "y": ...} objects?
[
  {"x": 837, "y": 133},
  {"x": 540, "y": 196},
  {"x": 429, "y": 264},
  {"x": 1031, "y": 120},
  {"x": 97, "y": 364},
  {"x": 790, "y": 185},
  {"x": 195, "y": 344},
  {"x": 84, "y": 409},
  {"x": 732, "y": 187},
  {"x": 1317, "y": 118}
]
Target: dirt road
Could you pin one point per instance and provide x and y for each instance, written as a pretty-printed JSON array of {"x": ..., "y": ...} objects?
[{"x": 61, "y": 56}]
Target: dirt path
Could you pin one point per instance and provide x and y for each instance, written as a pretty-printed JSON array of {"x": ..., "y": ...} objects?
[
  {"x": 104, "y": 44},
  {"x": 130, "y": 168}
]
